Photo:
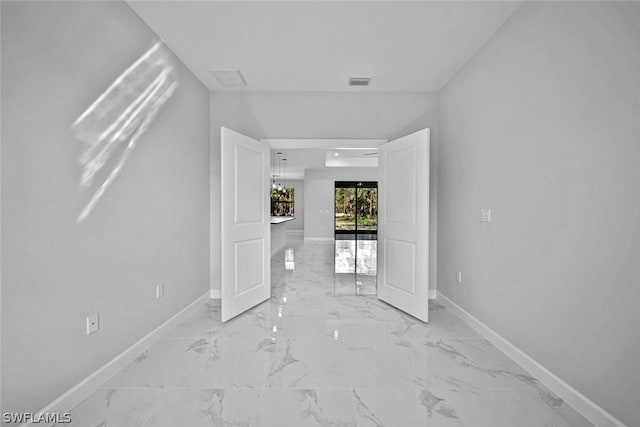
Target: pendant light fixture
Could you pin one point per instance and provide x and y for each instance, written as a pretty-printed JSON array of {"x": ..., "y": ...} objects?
[
  {"x": 273, "y": 172},
  {"x": 279, "y": 164},
  {"x": 284, "y": 177}
]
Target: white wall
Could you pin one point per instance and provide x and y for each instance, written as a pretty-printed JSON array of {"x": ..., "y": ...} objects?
[
  {"x": 151, "y": 226},
  {"x": 330, "y": 115},
  {"x": 297, "y": 225},
  {"x": 542, "y": 126},
  {"x": 319, "y": 185}
]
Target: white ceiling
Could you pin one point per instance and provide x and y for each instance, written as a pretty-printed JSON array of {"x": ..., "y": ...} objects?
[
  {"x": 298, "y": 160},
  {"x": 317, "y": 45}
]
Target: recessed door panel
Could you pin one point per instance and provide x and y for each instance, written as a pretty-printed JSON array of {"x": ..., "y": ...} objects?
[
  {"x": 400, "y": 176},
  {"x": 248, "y": 182},
  {"x": 400, "y": 266},
  {"x": 249, "y": 273}
]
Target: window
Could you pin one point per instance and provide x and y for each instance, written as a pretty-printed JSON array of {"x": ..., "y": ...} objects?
[
  {"x": 282, "y": 204},
  {"x": 356, "y": 207}
]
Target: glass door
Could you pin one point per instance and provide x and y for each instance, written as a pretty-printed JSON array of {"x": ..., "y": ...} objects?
[{"x": 356, "y": 227}]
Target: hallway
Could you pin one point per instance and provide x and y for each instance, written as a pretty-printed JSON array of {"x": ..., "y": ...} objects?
[{"x": 310, "y": 358}]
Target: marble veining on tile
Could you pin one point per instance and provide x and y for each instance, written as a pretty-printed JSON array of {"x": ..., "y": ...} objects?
[
  {"x": 205, "y": 407},
  {"x": 314, "y": 356}
]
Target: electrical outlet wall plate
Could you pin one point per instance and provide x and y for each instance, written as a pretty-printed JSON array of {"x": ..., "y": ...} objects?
[
  {"x": 92, "y": 323},
  {"x": 485, "y": 215}
]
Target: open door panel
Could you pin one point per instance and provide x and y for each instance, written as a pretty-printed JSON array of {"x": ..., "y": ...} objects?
[
  {"x": 245, "y": 223},
  {"x": 403, "y": 224}
]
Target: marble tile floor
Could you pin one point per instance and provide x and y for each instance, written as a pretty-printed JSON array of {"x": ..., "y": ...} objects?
[
  {"x": 311, "y": 357},
  {"x": 355, "y": 266}
]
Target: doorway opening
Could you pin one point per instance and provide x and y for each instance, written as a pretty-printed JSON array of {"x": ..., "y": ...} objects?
[
  {"x": 356, "y": 234},
  {"x": 403, "y": 224}
]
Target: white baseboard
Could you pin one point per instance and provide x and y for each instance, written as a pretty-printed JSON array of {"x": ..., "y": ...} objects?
[
  {"x": 586, "y": 407},
  {"x": 319, "y": 239},
  {"x": 84, "y": 388},
  {"x": 215, "y": 294}
]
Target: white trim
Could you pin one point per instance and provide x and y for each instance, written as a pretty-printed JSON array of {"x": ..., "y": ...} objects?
[
  {"x": 215, "y": 294},
  {"x": 319, "y": 239},
  {"x": 586, "y": 407},
  {"x": 432, "y": 294},
  {"x": 84, "y": 388}
]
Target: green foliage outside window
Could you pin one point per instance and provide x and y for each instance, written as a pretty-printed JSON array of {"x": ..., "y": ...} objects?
[
  {"x": 351, "y": 203},
  {"x": 282, "y": 204}
]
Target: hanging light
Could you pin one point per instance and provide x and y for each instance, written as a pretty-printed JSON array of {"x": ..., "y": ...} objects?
[
  {"x": 273, "y": 172},
  {"x": 284, "y": 177},
  {"x": 279, "y": 164}
]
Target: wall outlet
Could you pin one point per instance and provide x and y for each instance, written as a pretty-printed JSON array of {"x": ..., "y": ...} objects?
[
  {"x": 459, "y": 276},
  {"x": 485, "y": 215},
  {"x": 160, "y": 290},
  {"x": 92, "y": 323}
]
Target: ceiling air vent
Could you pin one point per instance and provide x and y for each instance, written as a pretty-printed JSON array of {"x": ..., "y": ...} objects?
[
  {"x": 359, "y": 81},
  {"x": 229, "y": 78}
]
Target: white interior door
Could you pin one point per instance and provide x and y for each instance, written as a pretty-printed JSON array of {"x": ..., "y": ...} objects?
[
  {"x": 245, "y": 227},
  {"x": 403, "y": 224}
]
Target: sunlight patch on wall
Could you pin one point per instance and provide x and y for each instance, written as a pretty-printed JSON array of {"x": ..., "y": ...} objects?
[{"x": 111, "y": 126}]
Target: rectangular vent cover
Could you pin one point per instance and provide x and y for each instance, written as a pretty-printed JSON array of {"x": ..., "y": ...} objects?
[{"x": 359, "y": 81}]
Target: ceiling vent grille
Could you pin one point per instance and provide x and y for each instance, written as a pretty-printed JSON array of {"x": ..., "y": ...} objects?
[
  {"x": 359, "y": 81},
  {"x": 229, "y": 78}
]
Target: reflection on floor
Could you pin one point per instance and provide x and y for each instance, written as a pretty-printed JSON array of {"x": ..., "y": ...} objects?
[
  {"x": 309, "y": 357},
  {"x": 355, "y": 265}
]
